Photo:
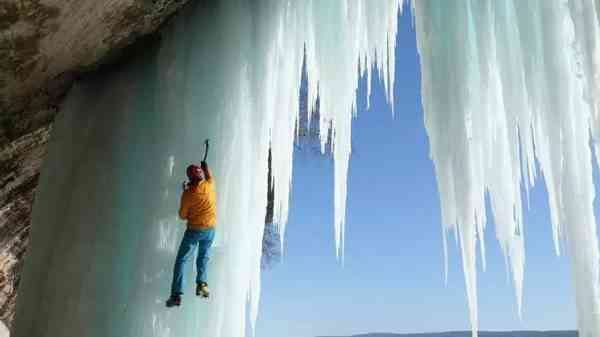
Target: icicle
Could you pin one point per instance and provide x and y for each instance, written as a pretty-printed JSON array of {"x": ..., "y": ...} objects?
[{"x": 498, "y": 77}]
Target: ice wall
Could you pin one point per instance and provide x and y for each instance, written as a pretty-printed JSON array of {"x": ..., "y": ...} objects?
[
  {"x": 105, "y": 229},
  {"x": 511, "y": 88}
]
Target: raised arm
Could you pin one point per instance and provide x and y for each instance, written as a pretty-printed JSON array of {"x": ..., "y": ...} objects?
[{"x": 207, "y": 172}]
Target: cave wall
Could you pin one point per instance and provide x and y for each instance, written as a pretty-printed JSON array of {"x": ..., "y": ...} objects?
[{"x": 45, "y": 45}]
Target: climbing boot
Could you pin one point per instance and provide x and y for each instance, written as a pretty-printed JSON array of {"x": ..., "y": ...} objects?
[
  {"x": 202, "y": 290},
  {"x": 174, "y": 301}
]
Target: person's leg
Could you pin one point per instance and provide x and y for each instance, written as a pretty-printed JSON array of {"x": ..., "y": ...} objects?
[
  {"x": 204, "y": 243},
  {"x": 186, "y": 249}
]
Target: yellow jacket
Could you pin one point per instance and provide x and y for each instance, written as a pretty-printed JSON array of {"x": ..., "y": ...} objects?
[{"x": 199, "y": 205}]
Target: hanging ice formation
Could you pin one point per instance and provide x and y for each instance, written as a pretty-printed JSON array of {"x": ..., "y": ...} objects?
[
  {"x": 104, "y": 228},
  {"x": 506, "y": 83}
]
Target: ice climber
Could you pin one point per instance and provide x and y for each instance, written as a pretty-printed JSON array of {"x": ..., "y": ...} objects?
[{"x": 198, "y": 207}]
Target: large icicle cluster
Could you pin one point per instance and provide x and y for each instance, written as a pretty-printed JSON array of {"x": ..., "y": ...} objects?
[
  {"x": 509, "y": 88},
  {"x": 336, "y": 35},
  {"x": 226, "y": 70},
  {"x": 332, "y": 36},
  {"x": 506, "y": 83}
]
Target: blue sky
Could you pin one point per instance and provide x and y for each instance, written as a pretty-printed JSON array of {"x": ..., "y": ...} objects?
[{"x": 393, "y": 278}]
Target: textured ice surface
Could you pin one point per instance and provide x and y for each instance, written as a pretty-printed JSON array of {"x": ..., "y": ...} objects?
[
  {"x": 4, "y": 332},
  {"x": 506, "y": 83}
]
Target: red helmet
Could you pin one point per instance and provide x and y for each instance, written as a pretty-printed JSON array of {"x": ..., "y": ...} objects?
[{"x": 194, "y": 172}]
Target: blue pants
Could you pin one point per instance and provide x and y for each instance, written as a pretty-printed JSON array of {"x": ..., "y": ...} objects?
[{"x": 203, "y": 238}]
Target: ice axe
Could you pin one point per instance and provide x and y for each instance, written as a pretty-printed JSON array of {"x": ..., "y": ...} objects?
[
  {"x": 205, "y": 150},
  {"x": 184, "y": 185}
]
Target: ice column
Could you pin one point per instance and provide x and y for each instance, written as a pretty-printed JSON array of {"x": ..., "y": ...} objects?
[{"x": 497, "y": 78}]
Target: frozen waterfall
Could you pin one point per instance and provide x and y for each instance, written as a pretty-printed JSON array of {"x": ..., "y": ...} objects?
[
  {"x": 105, "y": 229},
  {"x": 510, "y": 90},
  {"x": 508, "y": 86}
]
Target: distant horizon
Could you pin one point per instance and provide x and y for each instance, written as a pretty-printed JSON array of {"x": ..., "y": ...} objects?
[{"x": 455, "y": 332}]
